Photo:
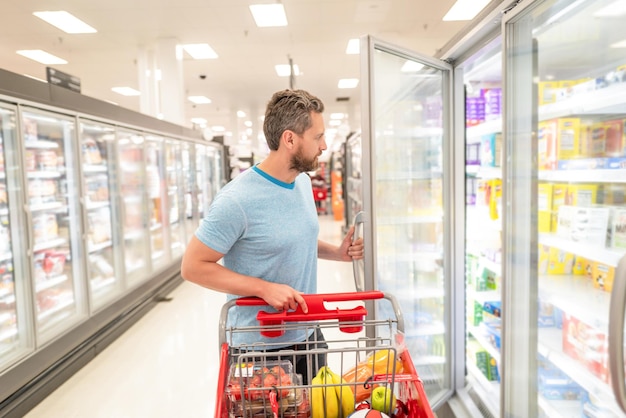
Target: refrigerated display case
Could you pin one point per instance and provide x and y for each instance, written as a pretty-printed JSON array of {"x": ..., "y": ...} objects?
[
  {"x": 92, "y": 227},
  {"x": 353, "y": 182},
  {"x": 104, "y": 272},
  {"x": 405, "y": 100},
  {"x": 158, "y": 217},
  {"x": 16, "y": 336},
  {"x": 56, "y": 256},
  {"x": 564, "y": 132}
]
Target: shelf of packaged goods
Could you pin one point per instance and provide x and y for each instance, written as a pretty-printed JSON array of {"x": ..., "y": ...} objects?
[
  {"x": 52, "y": 243},
  {"x": 575, "y": 295},
  {"x": 483, "y": 296},
  {"x": 550, "y": 346},
  {"x": 95, "y": 168},
  {"x": 479, "y": 221},
  {"x": 44, "y": 174},
  {"x": 64, "y": 303},
  {"x": 474, "y": 133},
  {"x": 608, "y": 100},
  {"x": 604, "y": 255},
  {"x": 49, "y": 206},
  {"x": 483, "y": 172},
  {"x": 48, "y": 283},
  {"x": 134, "y": 235},
  {"x": 559, "y": 408},
  {"x": 487, "y": 390},
  {"x": 482, "y": 336},
  {"x": 584, "y": 176},
  {"x": 94, "y": 205},
  {"x": 92, "y": 248},
  {"x": 40, "y": 144}
]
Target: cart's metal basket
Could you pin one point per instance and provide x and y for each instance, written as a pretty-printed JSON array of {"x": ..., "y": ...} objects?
[{"x": 271, "y": 380}]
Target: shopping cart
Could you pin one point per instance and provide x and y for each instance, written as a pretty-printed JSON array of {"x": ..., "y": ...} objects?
[{"x": 357, "y": 348}]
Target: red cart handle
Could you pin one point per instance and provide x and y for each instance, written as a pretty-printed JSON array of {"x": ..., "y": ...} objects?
[{"x": 317, "y": 311}]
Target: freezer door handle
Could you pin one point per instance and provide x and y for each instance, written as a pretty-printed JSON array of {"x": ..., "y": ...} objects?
[
  {"x": 357, "y": 265},
  {"x": 616, "y": 334}
]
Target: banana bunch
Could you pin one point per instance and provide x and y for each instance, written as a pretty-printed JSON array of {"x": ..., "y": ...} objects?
[{"x": 331, "y": 397}]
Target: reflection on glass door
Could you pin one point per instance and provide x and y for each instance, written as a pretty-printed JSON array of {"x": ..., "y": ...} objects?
[
  {"x": 175, "y": 196},
  {"x": 52, "y": 204},
  {"x": 97, "y": 156},
  {"x": 571, "y": 199},
  {"x": 403, "y": 145},
  {"x": 189, "y": 185},
  {"x": 202, "y": 180},
  {"x": 133, "y": 192},
  {"x": 16, "y": 334},
  {"x": 482, "y": 78},
  {"x": 157, "y": 202}
]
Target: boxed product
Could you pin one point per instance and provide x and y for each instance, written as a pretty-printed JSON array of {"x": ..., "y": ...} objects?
[
  {"x": 493, "y": 308},
  {"x": 554, "y": 384},
  {"x": 475, "y": 313},
  {"x": 603, "y": 276},
  {"x": 494, "y": 330},
  {"x": 472, "y": 154},
  {"x": 581, "y": 194},
  {"x": 470, "y": 191},
  {"x": 547, "y": 145},
  {"x": 559, "y": 194},
  {"x": 588, "y": 225},
  {"x": 474, "y": 110},
  {"x": 559, "y": 261},
  {"x": 618, "y": 228},
  {"x": 547, "y": 92},
  {"x": 544, "y": 252},
  {"x": 611, "y": 194},
  {"x": 493, "y": 103},
  {"x": 614, "y": 139},
  {"x": 582, "y": 266},
  {"x": 544, "y": 207},
  {"x": 586, "y": 345},
  {"x": 597, "y": 147},
  {"x": 491, "y": 150},
  {"x": 569, "y": 146},
  {"x": 545, "y": 315}
]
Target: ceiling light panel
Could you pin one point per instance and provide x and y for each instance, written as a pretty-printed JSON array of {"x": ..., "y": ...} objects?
[
  {"x": 40, "y": 56},
  {"x": 199, "y": 99},
  {"x": 200, "y": 51},
  {"x": 284, "y": 70},
  {"x": 465, "y": 10},
  {"x": 126, "y": 91},
  {"x": 65, "y": 21},
  {"x": 348, "y": 83},
  {"x": 268, "y": 15}
]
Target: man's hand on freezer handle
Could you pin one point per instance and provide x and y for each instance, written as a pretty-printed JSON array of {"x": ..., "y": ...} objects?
[
  {"x": 349, "y": 250},
  {"x": 283, "y": 297}
]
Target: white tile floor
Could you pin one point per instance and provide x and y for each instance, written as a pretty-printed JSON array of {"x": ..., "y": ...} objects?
[{"x": 166, "y": 365}]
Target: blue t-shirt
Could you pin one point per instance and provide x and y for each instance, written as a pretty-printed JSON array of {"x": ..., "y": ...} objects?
[{"x": 268, "y": 229}]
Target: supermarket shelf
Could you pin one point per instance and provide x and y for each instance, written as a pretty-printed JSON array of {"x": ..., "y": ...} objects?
[
  {"x": 37, "y": 207},
  {"x": 98, "y": 205},
  {"x": 49, "y": 244},
  {"x": 483, "y": 172},
  {"x": 550, "y": 346},
  {"x": 8, "y": 333},
  {"x": 474, "y": 133},
  {"x": 100, "y": 283},
  {"x": 488, "y": 391},
  {"x": 603, "y": 101},
  {"x": 604, "y": 255},
  {"x": 44, "y": 174},
  {"x": 584, "y": 176},
  {"x": 483, "y": 296},
  {"x": 99, "y": 246},
  {"x": 577, "y": 296},
  {"x": 40, "y": 144},
  {"x": 48, "y": 283},
  {"x": 58, "y": 307},
  {"x": 559, "y": 409},
  {"x": 482, "y": 337},
  {"x": 6, "y": 256},
  {"x": 93, "y": 168}
]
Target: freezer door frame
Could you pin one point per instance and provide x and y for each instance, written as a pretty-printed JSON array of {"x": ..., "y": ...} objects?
[{"x": 369, "y": 45}]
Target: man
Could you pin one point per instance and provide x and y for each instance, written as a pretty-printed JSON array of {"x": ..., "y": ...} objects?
[{"x": 264, "y": 225}]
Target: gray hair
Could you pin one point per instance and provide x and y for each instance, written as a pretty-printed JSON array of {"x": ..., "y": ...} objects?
[{"x": 289, "y": 110}]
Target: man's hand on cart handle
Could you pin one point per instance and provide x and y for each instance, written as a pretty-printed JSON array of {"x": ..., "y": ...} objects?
[{"x": 283, "y": 297}]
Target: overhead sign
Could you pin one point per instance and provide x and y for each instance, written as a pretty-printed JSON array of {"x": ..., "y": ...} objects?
[{"x": 61, "y": 79}]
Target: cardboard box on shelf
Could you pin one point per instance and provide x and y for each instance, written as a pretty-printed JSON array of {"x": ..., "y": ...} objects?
[
  {"x": 559, "y": 193},
  {"x": 569, "y": 145},
  {"x": 582, "y": 266},
  {"x": 547, "y": 145},
  {"x": 547, "y": 92},
  {"x": 560, "y": 262},
  {"x": 615, "y": 140},
  {"x": 584, "y": 225},
  {"x": 586, "y": 345},
  {"x": 603, "y": 276},
  {"x": 544, "y": 207},
  {"x": 491, "y": 150},
  {"x": 618, "y": 228},
  {"x": 582, "y": 195},
  {"x": 597, "y": 147}
]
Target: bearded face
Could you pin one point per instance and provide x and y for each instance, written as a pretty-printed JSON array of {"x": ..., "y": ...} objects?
[{"x": 302, "y": 163}]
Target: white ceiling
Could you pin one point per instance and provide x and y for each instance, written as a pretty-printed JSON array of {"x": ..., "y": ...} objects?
[{"x": 243, "y": 77}]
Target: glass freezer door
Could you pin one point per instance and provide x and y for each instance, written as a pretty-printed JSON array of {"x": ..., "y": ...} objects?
[
  {"x": 157, "y": 202},
  {"x": 133, "y": 193},
  {"x": 189, "y": 186},
  {"x": 56, "y": 259},
  {"x": 175, "y": 196},
  {"x": 98, "y": 161},
  {"x": 566, "y": 82},
  {"x": 405, "y": 102},
  {"x": 16, "y": 332}
]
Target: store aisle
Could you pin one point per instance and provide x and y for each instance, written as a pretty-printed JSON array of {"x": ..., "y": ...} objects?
[{"x": 166, "y": 365}]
